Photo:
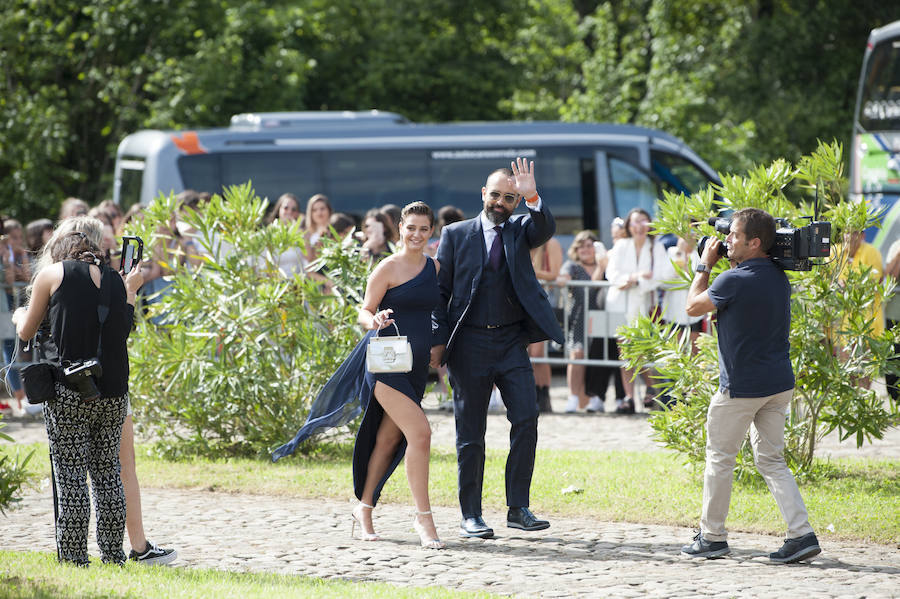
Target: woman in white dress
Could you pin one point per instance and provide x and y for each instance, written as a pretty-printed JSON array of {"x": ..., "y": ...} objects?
[{"x": 633, "y": 270}]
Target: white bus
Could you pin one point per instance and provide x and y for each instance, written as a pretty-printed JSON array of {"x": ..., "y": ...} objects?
[{"x": 589, "y": 173}]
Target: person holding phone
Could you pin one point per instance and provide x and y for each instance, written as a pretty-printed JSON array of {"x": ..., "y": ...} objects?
[
  {"x": 71, "y": 283},
  {"x": 143, "y": 551}
]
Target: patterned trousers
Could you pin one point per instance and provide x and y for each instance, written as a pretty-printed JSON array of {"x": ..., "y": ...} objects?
[{"x": 84, "y": 439}]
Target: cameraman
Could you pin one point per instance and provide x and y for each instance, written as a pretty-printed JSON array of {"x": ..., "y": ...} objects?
[
  {"x": 84, "y": 435},
  {"x": 756, "y": 382}
]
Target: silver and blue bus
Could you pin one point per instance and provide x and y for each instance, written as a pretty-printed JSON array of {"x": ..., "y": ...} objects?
[{"x": 589, "y": 173}]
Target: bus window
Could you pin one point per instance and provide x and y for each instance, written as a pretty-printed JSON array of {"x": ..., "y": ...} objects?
[
  {"x": 457, "y": 176},
  {"x": 356, "y": 181},
  {"x": 632, "y": 188},
  {"x": 131, "y": 178},
  {"x": 676, "y": 173},
  {"x": 880, "y": 105},
  {"x": 201, "y": 172},
  {"x": 559, "y": 178},
  {"x": 274, "y": 173}
]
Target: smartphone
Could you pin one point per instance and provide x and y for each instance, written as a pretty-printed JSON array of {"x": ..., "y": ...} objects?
[{"x": 132, "y": 252}]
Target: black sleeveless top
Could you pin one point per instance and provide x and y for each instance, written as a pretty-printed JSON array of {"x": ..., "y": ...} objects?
[{"x": 75, "y": 326}]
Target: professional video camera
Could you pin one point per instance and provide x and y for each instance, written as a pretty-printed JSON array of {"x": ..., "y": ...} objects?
[{"x": 793, "y": 248}]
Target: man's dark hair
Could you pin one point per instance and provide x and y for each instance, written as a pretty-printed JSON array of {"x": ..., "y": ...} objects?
[
  {"x": 448, "y": 215},
  {"x": 341, "y": 222},
  {"x": 757, "y": 223}
]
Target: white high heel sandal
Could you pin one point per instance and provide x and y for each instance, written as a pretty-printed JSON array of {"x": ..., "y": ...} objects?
[
  {"x": 357, "y": 519},
  {"x": 423, "y": 536}
]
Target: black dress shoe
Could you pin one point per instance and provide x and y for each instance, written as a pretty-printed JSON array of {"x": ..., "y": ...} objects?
[
  {"x": 522, "y": 518},
  {"x": 475, "y": 527}
]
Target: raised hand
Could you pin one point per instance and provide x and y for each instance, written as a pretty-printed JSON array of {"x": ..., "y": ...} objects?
[{"x": 523, "y": 177}]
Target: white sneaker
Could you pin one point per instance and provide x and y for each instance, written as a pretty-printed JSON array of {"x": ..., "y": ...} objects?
[
  {"x": 596, "y": 405},
  {"x": 572, "y": 404}
]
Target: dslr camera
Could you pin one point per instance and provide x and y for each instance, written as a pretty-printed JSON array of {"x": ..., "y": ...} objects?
[
  {"x": 793, "y": 247},
  {"x": 80, "y": 376}
]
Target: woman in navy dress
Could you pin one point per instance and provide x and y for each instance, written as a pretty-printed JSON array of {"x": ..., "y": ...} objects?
[{"x": 401, "y": 290}]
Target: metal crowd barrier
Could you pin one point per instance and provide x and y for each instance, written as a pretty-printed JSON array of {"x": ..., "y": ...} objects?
[{"x": 598, "y": 324}]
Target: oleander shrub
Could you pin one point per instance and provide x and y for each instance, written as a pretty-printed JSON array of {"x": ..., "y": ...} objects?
[
  {"x": 241, "y": 349},
  {"x": 13, "y": 473},
  {"x": 827, "y": 314}
]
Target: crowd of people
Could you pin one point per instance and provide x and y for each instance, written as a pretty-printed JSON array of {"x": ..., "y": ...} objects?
[
  {"x": 463, "y": 293},
  {"x": 478, "y": 305}
]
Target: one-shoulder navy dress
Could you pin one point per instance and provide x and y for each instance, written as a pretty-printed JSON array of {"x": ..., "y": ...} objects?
[{"x": 351, "y": 388}]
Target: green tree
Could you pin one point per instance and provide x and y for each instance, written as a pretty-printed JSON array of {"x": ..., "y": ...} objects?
[
  {"x": 73, "y": 86},
  {"x": 655, "y": 63},
  {"x": 431, "y": 61},
  {"x": 794, "y": 68},
  {"x": 243, "y": 349},
  {"x": 833, "y": 345}
]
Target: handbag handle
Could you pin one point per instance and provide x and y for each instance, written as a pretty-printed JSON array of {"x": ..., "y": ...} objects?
[{"x": 394, "y": 324}]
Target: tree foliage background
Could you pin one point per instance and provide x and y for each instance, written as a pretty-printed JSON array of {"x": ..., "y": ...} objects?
[{"x": 742, "y": 81}]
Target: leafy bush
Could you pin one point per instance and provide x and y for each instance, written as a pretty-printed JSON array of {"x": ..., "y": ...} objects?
[
  {"x": 13, "y": 474},
  {"x": 244, "y": 348},
  {"x": 828, "y": 315}
]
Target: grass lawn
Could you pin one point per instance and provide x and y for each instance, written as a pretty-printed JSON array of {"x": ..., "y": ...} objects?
[
  {"x": 38, "y": 575},
  {"x": 859, "y": 500}
]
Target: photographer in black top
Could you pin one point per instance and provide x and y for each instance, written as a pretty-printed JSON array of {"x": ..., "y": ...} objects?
[
  {"x": 756, "y": 382},
  {"x": 84, "y": 420}
]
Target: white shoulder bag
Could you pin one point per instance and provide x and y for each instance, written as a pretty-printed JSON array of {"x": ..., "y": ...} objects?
[{"x": 389, "y": 354}]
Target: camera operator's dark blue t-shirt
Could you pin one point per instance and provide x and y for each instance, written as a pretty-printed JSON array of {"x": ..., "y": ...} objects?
[{"x": 754, "y": 317}]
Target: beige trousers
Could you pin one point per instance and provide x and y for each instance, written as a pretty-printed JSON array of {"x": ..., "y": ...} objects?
[{"x": 727, "y": 422}]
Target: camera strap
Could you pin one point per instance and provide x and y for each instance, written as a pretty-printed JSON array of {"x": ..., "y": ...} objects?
[{"x": 103, "y": 306}]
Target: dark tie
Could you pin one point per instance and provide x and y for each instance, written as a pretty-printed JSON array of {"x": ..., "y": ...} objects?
[{"x": 496, "y": 249}]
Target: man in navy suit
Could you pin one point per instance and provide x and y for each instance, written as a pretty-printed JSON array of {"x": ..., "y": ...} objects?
[{"x": 492, "y": 307}]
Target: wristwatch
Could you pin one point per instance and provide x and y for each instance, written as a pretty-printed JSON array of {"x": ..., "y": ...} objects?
[{"x": 703, "y": 268}]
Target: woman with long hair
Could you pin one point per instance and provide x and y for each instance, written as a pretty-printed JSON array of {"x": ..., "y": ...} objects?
[
  {"x": 84, "y": 427},
  {"x": 634, "y": 264},
  {"x": 317, "y": 223},
  {"x": 402, "y": 291},
  {"x": 286, "y": 210},
  {"x": 287, "y": 213},
  {"x": 379, "y": 231},
  {"x": 585, "y": 263}
]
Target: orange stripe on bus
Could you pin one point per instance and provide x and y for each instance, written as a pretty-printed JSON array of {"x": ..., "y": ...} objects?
[{"x": 189, "y": 143}]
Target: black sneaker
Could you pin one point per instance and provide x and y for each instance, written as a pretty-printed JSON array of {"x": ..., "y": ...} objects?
[
  {"x": 708, "y": 549},
  {"x": 153, "y": 555},
  {"x": 795, "y": 550},
  {"x": 627, "y": 406}
]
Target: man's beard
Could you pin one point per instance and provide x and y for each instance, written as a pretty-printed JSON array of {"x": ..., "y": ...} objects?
[{"x": 498, "y": 218}]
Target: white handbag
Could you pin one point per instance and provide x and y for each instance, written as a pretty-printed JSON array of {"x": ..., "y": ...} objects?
[{"x": 389, "y": 354}]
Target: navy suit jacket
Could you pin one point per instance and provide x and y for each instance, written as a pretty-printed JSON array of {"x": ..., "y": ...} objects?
[{"x": 462, "y": 257}]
